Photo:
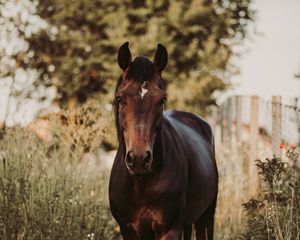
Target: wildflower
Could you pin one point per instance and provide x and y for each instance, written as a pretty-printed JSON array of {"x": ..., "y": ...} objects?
[
  {"x": 90, "y": 235},
  {"x": 293, "y": 146},
  {"x": 282, "y": 146}
]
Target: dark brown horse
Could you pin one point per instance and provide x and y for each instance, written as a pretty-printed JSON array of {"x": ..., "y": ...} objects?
[{"x": 164, "y": 178}]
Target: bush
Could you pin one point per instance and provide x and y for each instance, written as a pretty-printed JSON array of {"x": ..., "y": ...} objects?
[
  {"x": 47, "y": 191},
  {"x": 275, "y": 214}
]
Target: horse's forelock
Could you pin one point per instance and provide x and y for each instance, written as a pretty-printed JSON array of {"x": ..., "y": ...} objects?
[{"x": 141, "y": 70}]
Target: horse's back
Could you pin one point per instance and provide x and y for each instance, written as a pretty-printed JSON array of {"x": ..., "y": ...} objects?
[{"x": 197, "y": 139}]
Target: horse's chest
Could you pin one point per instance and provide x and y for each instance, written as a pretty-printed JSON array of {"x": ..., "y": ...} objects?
[{"x": 147, "y": 221}]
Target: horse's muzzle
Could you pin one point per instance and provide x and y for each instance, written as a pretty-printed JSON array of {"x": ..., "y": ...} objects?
[{"x": 138, "y": 163}]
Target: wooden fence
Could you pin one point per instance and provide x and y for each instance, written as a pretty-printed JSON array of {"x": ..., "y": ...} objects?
[
  {"x": 248, "y": 128},
  {"x": 249, "y": 118}
]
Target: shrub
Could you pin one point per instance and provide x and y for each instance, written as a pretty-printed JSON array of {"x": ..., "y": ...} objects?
[{"x": 275, "y": 214}]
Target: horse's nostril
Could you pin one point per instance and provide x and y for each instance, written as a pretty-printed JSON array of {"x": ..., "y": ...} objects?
[
  {"x": 147, "y": 159},
  {"x": 130, "y": 159}
]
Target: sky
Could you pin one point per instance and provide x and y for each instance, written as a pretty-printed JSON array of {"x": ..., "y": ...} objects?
[{"x": 271, "y": 58}]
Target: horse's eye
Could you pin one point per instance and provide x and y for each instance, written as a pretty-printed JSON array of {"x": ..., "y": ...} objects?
[
  {"x": 119, "y": 100},
  {"x": 162, "y": 101}
]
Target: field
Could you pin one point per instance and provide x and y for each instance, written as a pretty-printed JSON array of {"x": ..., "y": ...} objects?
[{"x": 55, "y": 187}]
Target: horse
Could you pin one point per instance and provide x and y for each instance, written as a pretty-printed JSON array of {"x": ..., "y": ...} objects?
[{"x": 164, "y": 178}]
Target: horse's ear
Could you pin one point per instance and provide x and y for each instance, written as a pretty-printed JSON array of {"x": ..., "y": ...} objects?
[
  {"x": 124, "y": 56},
  {"x": 161, "y": 57}
]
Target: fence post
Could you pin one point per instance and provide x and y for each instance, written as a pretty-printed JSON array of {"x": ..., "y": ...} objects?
[
  {"x": 254, "y": 131},
  {"x": 238, "y": 120},
  {"x": 276, "y": 125},
  {"x": 229, "y": 122},
  {"x": 254, "y": 138},
  {"x": 213, "y": 119}
]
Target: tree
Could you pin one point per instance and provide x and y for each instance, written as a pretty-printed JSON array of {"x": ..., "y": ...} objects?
[
  {"x": 20, "y": 88},
  {"x": 77, "y": 53}
]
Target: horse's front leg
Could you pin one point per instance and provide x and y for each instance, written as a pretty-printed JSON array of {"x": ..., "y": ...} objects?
[{"x": 173, "y": 234}]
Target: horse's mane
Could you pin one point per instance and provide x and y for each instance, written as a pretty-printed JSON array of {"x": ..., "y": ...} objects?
[{"x": 116, "y": 109}]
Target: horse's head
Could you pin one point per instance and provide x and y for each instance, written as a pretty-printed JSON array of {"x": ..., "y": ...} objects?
[{"x": 139, "y": 103}]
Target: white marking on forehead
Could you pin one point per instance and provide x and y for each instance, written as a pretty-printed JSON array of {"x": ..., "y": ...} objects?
[{"x": 144, "y": 90}]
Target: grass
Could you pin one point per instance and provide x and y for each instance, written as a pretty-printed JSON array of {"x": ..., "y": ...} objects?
[{"x": 49, "y": 190}]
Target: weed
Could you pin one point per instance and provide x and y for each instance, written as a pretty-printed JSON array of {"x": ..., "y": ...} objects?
[{"x": 275, "y": 214}]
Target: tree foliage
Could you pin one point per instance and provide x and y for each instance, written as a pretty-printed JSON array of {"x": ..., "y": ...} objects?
[
  {"x": 77, "y": 53},
  {"x": 21, "y": 88}
]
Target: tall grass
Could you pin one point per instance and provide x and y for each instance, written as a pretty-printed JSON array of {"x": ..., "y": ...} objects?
[{"x": 48, "y": 190}]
